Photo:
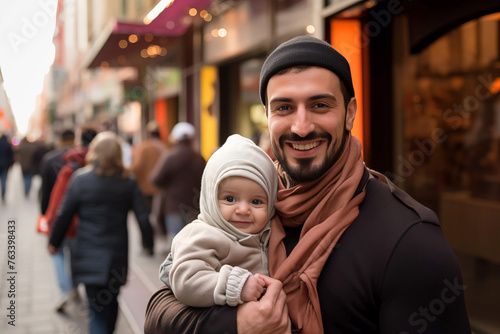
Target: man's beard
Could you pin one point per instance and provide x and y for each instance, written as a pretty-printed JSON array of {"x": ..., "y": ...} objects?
[{"x": 306, "y": 171}]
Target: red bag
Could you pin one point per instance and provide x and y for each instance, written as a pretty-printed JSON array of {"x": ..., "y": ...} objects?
[
  {"x": 42, "y": 225},
  {"x": 56, "y": 197}
]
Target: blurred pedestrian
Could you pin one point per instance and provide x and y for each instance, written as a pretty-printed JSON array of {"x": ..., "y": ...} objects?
[
  {"x": 6, "y": 160},
  {"x": 102, "y": 194},
  {"x": 126, "y": 143},
  {"x": 144, "y": 158},
  {"x": 41, "y": 149},
  {"x": 73, "y": 159},
  {"x": 178, "y": 173},
  {"x": 25, "y": 155},
  {"x": 51, "y": 165}
]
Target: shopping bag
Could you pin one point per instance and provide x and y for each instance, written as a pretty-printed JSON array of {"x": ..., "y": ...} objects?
[{"x": 43, "y": 225}]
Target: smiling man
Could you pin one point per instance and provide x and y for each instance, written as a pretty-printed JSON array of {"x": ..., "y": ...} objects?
[
  {"x": 308, "y": 123},
  {"x": 349, "y": 251}
]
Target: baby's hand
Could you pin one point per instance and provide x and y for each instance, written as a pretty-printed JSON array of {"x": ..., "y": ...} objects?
[{"x": 252, "y": 289}]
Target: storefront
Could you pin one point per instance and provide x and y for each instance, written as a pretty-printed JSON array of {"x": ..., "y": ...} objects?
[
  {"x": 450, "y": 158},
  {"x": 431, "y": 102}
]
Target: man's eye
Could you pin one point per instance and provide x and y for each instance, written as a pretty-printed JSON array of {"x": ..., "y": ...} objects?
[
  {"x": 283, "y": 108},
  {"x": 320, "y": 105}
]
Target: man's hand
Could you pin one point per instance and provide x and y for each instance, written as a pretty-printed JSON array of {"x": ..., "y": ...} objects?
[
  {"x": 269, "y": 315},
  {"x": 52, "y": 249},
  {"x": 253, "y": 288}
]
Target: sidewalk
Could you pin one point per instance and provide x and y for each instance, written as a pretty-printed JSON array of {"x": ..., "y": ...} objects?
[{"x": 28, "y": 285}]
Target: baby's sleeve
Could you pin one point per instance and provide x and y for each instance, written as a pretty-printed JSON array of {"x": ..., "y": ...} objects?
[{"x": 233, "y": 286}]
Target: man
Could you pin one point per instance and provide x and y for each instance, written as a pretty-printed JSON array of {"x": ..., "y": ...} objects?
[
  {"x": 51, "y": 165},
  {"x": 25, "y": 155},
  {"x": 6, "y": 161},
  {"x": 144, "y": 158},
  {"x": 178, "y": 174},
  {"x": 353, "y": 253}
]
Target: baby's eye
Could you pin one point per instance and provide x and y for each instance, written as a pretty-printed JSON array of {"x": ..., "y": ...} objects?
[
  {"x": 230, "y": 199},
  {"x": 256, "y": 202}
]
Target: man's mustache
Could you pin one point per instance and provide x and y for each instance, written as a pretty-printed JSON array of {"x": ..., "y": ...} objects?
[{"x": 311, "y": 136}]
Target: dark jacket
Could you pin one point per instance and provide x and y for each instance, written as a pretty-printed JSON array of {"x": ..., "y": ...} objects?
[
  {"x": 392, "y": 271},
  {"x": 178, "y": 174},
  {"x": 102, "y": 204},
  {"x": 6, "y": 153},
  {"x": 25, "y": 153},
  {"x": 52, "y": 162}
]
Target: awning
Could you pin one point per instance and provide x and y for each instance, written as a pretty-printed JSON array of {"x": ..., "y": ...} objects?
[{"x": 158, "y": 42}]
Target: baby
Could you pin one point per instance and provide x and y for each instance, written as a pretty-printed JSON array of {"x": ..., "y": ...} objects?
[{"x": 217, "y": 258}]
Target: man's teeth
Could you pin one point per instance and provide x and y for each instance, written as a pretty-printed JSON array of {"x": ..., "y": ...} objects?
[{"x": 304, "y": 147}]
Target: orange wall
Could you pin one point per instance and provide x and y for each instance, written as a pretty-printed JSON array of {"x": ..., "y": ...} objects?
[
  {"x": 161, "y": 111},
  {"x": 346, "y": 38}
]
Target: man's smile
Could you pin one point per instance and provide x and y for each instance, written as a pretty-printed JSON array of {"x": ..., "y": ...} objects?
[{"x": 305, "y": 147}]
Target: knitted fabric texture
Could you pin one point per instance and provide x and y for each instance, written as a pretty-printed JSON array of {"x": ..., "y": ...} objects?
[
  {"x": 236, "y": 281},
  {"x": 304, "y": 50}
]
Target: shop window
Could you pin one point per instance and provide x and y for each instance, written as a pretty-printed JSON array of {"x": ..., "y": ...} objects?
[
  {"x": 448, "y": 98},
  {"x": 452, "y": 116},
  {"x": 450, "y": 159},
  {"x": 251, "y": 117}
]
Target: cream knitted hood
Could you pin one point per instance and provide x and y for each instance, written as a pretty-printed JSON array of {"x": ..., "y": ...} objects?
[{"x": 239, "y": 156}]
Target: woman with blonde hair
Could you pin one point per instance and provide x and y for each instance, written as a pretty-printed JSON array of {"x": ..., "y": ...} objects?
[{"x": 102, "y": 194}]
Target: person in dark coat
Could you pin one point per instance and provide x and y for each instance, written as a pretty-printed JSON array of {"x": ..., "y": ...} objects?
[
  {"x": 102, "y": 194},
  {"x": 51, "y": 164},
  {"x": 6, "y": 160},
  {"x": 41, "y": 149},
  {"x": 25, "y": 153},
  {"x": 178, "y": 174}
]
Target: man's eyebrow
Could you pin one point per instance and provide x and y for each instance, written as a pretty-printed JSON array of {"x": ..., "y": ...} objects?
[
  {"x": 312, "y": 98},
  {"x": 280, "y": 99},
  {"x": 322, "y": 96}
]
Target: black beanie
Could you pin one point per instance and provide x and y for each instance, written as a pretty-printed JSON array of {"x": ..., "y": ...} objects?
[{"x": 304, "y": 50}]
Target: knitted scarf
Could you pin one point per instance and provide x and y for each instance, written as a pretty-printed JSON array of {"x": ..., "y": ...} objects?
[{"x": 325, "y": 207}]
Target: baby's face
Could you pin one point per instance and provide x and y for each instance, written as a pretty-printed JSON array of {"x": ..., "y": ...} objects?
[{"x": 243, "y": 203}]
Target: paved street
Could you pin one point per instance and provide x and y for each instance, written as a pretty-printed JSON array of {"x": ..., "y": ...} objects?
[{"x": 28, "y": 284}]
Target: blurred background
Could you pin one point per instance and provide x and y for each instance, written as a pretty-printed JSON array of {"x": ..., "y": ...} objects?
[{"x": 426, "y": 76}]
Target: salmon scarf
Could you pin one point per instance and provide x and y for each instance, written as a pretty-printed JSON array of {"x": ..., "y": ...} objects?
[{"x": 325, "y": 207}]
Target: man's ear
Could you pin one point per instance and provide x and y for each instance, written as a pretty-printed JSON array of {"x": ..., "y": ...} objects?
[{"x": 350, "y": 114}]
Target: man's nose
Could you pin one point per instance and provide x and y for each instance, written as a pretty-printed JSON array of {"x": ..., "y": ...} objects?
[{"x": 302, "y": 124}]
